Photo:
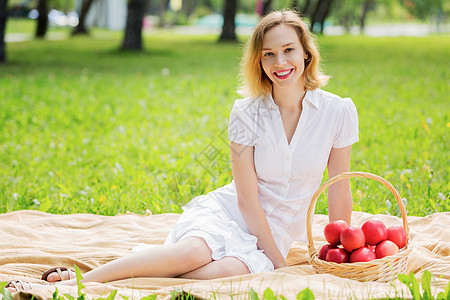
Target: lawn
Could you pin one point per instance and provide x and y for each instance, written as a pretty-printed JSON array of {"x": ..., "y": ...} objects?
[{"x": 85, "y": 128}]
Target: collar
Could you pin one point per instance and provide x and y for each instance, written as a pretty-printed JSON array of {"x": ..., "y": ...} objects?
[{"x": 310, "y": 96}]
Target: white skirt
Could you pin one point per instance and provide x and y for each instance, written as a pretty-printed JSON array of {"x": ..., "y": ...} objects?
[{"x": 204, "y": 217}]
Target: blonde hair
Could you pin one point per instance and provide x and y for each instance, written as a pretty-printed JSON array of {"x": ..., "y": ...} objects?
[{"x": 254, "y": 81}]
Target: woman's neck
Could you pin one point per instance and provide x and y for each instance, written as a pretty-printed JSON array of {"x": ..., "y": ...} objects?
[{"x": 289, "y": 98}]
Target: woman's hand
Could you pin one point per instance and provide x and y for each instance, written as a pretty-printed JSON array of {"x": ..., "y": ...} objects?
[{"x": 280, "y": 264}]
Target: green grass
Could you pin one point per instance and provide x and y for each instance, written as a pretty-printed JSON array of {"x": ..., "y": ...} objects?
[
  {"x": 20, "y": 25},
  {"x": 86, "y": 128},
  {"x": 28, "y": 26}
]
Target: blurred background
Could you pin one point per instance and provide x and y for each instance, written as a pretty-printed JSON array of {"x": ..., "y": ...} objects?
[
  {"x": 108, "y": 106},
  {"x": 28, "y": 19}
]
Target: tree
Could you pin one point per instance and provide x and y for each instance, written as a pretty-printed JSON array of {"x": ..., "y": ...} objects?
[
  {"x": 320, "y": 13},
  {"x": 188, "y": 7},
  {"x": 306, "y": 9},
  {"x": 367, "y": 6},
  {"x": 213, "y": 5},
  {"x": 3, "y": 18},
  {"x": 229, "y": 25},
  {"x": 424, "y": 8},
  {"x": 42, "y": 19},
  {"x": 352, "y": 12},
  {"x": 347, "y": 12},
  {"x": 81, "y": 27},
  {"x": 133, "y": 30},
  {"x": 267, "y": 7},
  {"x": 162, "y": 9}
]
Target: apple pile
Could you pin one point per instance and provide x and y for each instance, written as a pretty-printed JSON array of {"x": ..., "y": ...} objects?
[{"x": 358, "y": 244}]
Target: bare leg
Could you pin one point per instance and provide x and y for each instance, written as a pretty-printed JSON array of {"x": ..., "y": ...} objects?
[
  {"x": 164, "y": 261},
  {"x": 227, "y": 266}
]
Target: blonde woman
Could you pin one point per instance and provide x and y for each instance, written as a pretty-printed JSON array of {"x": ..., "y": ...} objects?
[{"x": 283, "y": 135}]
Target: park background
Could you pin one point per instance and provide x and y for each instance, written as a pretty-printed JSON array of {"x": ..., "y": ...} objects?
[{"x": 135, "y": 118}]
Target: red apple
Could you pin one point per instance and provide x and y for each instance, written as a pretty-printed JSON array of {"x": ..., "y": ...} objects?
[
  {"x": 362, "y": 254},
  {"x": 397, "y": 234},
  {"x": 333, "y": 231},
  {"x": 371, "y": 247},
  {"x": 352, "y": 238},
  {"x": 337, "y": 255},
  {"x": 386, "y": 248},
  {"x": 324, "y": 250},
  {"x": 374, "y": 231}
]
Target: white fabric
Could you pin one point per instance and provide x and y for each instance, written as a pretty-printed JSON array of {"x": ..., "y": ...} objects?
[
  {"x": 207, "y": 219},
  {"x": 288, "y": 174}
]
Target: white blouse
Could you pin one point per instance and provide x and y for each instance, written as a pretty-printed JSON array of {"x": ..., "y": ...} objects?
[{"x": 288, "y": 174}]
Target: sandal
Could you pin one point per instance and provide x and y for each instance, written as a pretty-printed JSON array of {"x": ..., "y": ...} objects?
[
  {"x": 58, "y": 270},
  {"x": 19, "y": 285}
]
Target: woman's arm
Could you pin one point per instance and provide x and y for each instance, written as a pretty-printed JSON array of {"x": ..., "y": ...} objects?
[
  {"x": 244, "y": 175},
  {"x": 340, "y": 202}
]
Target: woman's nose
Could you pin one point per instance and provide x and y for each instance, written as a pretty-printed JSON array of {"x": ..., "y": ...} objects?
[{"x": 280, "y": 59}]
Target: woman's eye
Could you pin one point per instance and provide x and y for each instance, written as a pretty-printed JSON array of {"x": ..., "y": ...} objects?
[
  {"x": 289, "y": 49},
  {"x": 268, "y": 54}
]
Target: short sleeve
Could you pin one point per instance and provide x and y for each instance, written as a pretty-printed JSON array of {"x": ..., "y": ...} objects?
[
  {"x": 241, "y": 126},
  {"x": 348, "y": 131}
]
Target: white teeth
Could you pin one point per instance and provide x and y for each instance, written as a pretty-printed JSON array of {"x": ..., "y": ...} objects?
[{"x": 283, "y": 73}]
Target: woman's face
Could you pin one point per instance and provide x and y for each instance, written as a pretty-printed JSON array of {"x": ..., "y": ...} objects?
[{"x": 283, "y": 57}]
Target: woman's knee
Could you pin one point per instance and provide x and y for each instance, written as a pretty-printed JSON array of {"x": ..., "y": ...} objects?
[
  {"x": 233, "y": 266},
  {"x": 225, "y": 267},
  {"x": 195, "y": 252}
]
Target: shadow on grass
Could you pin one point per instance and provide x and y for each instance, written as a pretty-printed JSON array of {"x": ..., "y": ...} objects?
[
  {"x": 37, "y": 57},
  {"x": 148, "y": 52}
]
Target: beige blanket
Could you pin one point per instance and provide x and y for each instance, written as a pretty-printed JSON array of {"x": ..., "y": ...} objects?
[{"x": 32, "y": 242}]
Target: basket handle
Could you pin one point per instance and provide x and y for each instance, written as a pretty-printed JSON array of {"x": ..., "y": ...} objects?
[{"x": 341, "y": 176}]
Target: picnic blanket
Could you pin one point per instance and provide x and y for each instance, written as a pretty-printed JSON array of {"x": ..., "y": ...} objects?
[{"x": 33, "y": 241}]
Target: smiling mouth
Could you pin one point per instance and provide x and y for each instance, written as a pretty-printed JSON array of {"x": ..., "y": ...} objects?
[{"x": 283, "y": 74}]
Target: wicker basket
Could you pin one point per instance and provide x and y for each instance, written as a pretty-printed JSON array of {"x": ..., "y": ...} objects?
[{"x": 380, "y": 270}]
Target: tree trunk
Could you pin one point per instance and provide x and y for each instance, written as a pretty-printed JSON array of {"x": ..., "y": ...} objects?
[
  {"x": 367, "y": 6},
  {"x": 188, "y": 7},
  {"x": 314, "y": 16},
  {"x": 81, "y": 27},
  {"x": 42, "y": 19},
  {"x": 306, "y": 8},
  {"x": 3, "y": 18},
  {"x": 229, "y": 26},
  {"x": 345, "y": 22},
  {"x": 321, "y": 13},
  {"x": 133, "y": 30},
  {"x": 162, "y": 9},
  {"x": 267, "y": 8},
  {"x": 325, "y": 15}
]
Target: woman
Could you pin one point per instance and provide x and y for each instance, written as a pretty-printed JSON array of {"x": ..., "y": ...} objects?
[{"x": 283, "y": 135}]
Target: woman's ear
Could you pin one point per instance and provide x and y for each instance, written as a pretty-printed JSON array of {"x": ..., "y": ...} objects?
[
  {"x": 307, "y": 56},
  {"x": 307, "y": 59}
]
